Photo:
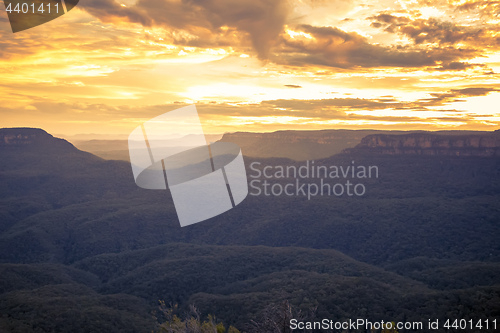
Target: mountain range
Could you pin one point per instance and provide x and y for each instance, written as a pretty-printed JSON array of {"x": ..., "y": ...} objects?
[
  {"x": 83, "y": 249},
  {"x": 312, "y": 145}
]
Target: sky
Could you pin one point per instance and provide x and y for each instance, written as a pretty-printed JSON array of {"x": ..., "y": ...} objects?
[{"x": 107, "y": 66}]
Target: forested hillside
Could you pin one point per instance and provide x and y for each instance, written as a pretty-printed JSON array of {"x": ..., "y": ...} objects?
[{"x": 82, "y": 248}]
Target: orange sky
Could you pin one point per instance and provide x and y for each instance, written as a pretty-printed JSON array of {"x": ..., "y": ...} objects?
[{"x": 256, "y": 65}]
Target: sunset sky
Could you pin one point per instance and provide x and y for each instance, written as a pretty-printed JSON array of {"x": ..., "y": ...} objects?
[{"x": 256, "y": 65}]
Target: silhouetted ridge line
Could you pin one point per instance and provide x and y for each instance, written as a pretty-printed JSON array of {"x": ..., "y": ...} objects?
[{"x": 34, "y": 138}]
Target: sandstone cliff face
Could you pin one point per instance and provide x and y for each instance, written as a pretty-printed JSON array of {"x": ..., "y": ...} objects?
[
  {"x": 309, "y": 145},
  {"x": 484, "y": 144},
  {"x": 297, "y": 145}
]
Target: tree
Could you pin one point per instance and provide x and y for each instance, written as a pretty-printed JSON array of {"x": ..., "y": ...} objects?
[
  {"x": 192, "y": 322},
  {"x": 275, "y": 318}
]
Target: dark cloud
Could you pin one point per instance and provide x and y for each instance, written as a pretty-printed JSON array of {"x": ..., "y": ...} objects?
[
  {"x": 336, "y": 48},
  {"x": 458, "y": 66},
  {"x": 456, "y": 95},
  {"x": 486, "y": 8},
  {"x": 434, "y": 31},
  {"x": 425, "y": 31},
  {"x": 388, "y": 22},
  {"x": 204, "y": 22},
  {"x": 292, "y": 86},
  {"x": 479, "y": 91}
]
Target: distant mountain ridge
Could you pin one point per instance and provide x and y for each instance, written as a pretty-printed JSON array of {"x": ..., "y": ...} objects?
[
  {"x": 117, "y": 149},
  {"x": 313, "y": 145},
  {"x": 480, "y": 144},
  {"x": 292, "y": 144},
  {"x": 297, "y": 145}
]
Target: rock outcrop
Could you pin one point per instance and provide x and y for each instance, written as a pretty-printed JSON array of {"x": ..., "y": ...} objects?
[{"x": 428, "y": 143}]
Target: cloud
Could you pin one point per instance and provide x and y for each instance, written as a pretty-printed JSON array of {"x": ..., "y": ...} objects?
[
  {"x": 260, "y": 25},
  {"x": 330, "y": 46},
  {"x": 489, "y": 8},
  {"x": 444, "y": 33},
  {"x": 320, "y": 108},
  {"x": 110, "y": 10},
  {"x": 458, "y": 66},
  {"x": 333, "y": 103},
  {"x": 388, "y": 22},
  {"x": 477, "y": 91},
  {"x": 455, "y": 94},
  {"x": 196, "y": 22}
]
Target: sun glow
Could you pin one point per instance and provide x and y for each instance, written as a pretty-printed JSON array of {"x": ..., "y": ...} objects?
[{"x": 100, "y": 71}]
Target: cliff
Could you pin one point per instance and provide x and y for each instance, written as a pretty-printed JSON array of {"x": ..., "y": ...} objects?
[
  {"x": 428, "y": 143},
  {"x": 298, "y": 145}
]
